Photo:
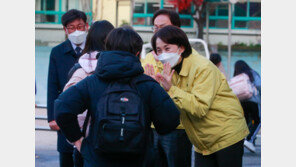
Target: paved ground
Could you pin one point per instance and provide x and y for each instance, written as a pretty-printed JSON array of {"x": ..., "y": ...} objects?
[
  {"x": 47, "y": 156},
  {"x": 252, "y": 159},
  {"x": 45, "y": 149}
]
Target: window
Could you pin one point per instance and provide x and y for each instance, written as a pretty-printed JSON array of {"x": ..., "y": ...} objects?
[
  {"x": 144, "y": 9},
  {"x": 240, "y": 9},
  {"x": 51, "y": 11},
  {"x": 255, "y": 9},
  {"x": 218, "y": 16},
  {"x": 245, "y": 16}
]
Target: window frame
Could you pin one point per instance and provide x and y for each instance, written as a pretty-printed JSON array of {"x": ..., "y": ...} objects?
[
  {"x": 147, "y": 15},
  {"x": 246, "y": 18},
  {"x": 58, "y": 13}
]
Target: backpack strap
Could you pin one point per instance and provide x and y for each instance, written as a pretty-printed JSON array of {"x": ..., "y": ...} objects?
[
  {"x": 141, "y": 78},
  {"x": 73, "y": 69},
  {"x": 84, "y": 127}
]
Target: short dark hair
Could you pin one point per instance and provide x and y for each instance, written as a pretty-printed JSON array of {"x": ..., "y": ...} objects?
[
  {"x": 128, "y": 27},
  {"x": 72, "y": 15},
  {"x": 124, "y": 39},
  {"x": 95, "y": 40},
  {"x": 174, "y": 16},
  {"x": 172, "y": 35},
  {"x": 215, "y": 58}
]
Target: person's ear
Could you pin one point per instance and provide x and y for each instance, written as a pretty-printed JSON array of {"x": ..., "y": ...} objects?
[
  {"x": 65, "y": 30},
  {"x": 138, "y": 54},
  {"x": 181, "y": 50},
  {"x": 86, "y": 26},
  {"x": 218, "y": 64}
]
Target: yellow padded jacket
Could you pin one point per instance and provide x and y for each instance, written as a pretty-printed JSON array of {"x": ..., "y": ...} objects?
[{"x": 210, "y": 112}]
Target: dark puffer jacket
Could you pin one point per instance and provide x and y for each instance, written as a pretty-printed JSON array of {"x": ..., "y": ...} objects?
[{"x": 112, "y": 65}]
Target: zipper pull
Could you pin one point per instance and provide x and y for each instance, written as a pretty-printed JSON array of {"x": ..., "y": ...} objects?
[
  {"x": 121, "y": 135},
  {"x": 122, "y": 120},
  {"x": 122, "y": 124}
]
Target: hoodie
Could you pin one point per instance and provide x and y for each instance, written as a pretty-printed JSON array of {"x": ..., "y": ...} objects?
[
  {"x": 88, "y": 63},
  {"x": 112, "y": 65}
]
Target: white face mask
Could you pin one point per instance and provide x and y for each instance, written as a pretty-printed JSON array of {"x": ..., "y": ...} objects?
[
  {"x": 77, "y": 37},
  {"x": 171, "y": 58}
]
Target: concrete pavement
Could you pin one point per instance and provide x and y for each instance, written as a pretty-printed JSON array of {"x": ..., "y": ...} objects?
[{"x": 47, "y": 156}]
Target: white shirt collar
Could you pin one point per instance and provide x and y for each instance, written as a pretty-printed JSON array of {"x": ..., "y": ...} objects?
[{"x": 81, "y": 45}]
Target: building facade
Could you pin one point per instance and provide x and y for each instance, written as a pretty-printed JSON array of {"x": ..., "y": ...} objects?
[{"x": 246, "y": 22}]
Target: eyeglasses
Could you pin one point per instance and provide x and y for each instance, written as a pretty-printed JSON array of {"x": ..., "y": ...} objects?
[
  {"x": 73, "y": 28},
  {"x": 155, "y": 28}
]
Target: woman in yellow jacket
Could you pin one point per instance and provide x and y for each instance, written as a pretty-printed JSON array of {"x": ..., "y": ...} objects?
[{"x": 210, "y": 112}]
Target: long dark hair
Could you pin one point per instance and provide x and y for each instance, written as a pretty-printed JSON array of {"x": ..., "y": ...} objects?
[
  {"x": 95, "y": 40},
  {"x": 242, "y": 67}
]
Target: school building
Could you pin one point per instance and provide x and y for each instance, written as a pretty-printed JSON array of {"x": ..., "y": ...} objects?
[{"x": 246, "y": 18}]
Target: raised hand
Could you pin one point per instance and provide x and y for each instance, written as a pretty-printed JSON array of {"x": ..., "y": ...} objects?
[
  {"x": 166, "y": 77},
  {"x": 149, "y": 70}
]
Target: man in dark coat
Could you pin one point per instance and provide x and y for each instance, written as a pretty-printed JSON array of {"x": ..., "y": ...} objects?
[{"x": 62, "y": 59}]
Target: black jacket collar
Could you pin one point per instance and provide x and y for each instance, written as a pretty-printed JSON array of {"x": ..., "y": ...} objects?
[{"x": 69, "y": 49}]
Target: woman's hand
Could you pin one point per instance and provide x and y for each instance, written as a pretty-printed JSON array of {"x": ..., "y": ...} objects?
[
  {"x": 149, "y": 70},
  {"x": 78, "y": 143},
  {"x": 166, "y": 77}
]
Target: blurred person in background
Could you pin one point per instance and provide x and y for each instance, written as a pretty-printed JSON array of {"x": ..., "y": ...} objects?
[
  {"x": 62, "y": 59},
  {"x": 217, "y": 60},
  {"x": 87, "y": 63},
  {"x": 210, "y": 112},
  {"x": 252, "y": 106}
]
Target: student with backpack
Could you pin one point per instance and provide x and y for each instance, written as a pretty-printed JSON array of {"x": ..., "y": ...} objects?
[
  {"x": 95, "y": 42},
  {"x": 252, "y": 105},
  {"x": 122, "y": 102}
]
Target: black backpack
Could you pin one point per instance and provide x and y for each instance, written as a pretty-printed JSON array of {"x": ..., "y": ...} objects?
[{"x": 122, "y": 121}]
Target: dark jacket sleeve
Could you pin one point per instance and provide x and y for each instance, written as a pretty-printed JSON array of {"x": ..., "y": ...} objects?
[
  {"x": 52, "y": 85},
  {"x": 164, "y": 113},
  {"x": 257, "y": 80},
  {"x": 69, "y": 104}
]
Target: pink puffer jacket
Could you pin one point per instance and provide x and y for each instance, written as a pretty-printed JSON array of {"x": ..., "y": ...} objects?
[{"x": 88, "y": 62}]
